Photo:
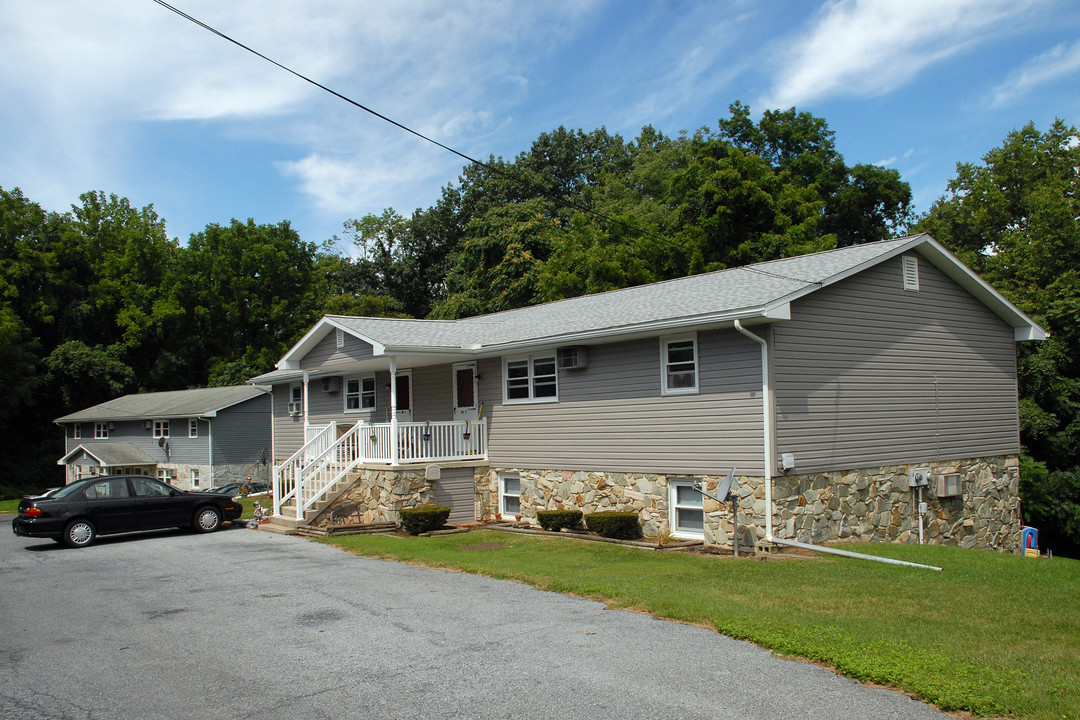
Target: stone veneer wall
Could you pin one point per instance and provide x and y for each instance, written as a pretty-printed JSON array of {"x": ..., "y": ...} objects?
[
  {"x": 379, "y": 495},
  {"x": 867, "y": 504}
]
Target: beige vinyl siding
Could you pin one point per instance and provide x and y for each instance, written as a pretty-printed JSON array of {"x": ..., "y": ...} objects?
[
  {"x": 866, "y": 373},
  {"x": 611, "y": 415}
]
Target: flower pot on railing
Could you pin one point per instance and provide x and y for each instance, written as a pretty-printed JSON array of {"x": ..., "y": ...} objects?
[
  {"x": 374, "y": 438},
  {"x": 466, "y": 435}
]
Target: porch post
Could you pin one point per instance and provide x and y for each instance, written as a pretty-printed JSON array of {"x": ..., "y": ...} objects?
[{"x": 394, "y": 456}]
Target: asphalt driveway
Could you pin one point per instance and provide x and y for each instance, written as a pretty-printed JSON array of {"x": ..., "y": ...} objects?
[{"x": 244, "y": 624}]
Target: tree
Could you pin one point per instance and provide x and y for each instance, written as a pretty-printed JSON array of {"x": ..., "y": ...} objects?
[{"x": 1014, "y": 218}]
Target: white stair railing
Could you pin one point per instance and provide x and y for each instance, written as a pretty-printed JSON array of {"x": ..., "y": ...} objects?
[{"x": 287, "y": 476}]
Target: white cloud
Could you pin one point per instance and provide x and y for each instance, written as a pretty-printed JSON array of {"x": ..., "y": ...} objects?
[
  {"x": 870, "y": 47},
  {"x": 1059, "y": 62}
]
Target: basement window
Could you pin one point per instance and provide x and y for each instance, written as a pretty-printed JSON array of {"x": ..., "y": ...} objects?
[
  {"x": 509, "y": 494},
  {"x": 687, "y": 513}
]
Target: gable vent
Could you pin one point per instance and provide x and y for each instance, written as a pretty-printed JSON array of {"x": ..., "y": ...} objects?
[
  {"x": 340, "y": 338},
  {"x": 911, "y": 272}
]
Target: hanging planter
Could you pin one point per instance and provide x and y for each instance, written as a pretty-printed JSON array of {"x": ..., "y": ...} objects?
[
  {"x": 374, "y": 438},
  {"x": 427, "y": 436}
]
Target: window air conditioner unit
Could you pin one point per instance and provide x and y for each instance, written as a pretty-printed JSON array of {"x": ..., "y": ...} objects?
[
  {"x": 147, "y": 424},
  {"x": 949, "y": 485},
  {"x": 573, "y": 358},
  {"x": 331, "y": 384},
  {"x": 294, "y": 408},
  {"x": 111, "y": 426}
]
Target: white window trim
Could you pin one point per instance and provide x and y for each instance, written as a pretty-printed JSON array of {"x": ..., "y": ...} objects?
[
  {"x": 503, "y": 477},
  {"x": 664, "y": 343},
  {"x": 76, "y": 431},
  {"x": 101, "y": 431},
  {"x": 161, "y": 429},
  {"x": 345, "y": 395},
  {"x": 532, "y": 379},
  {"x": 193, "y": 428},
  {"x": 673, "y": 506}
]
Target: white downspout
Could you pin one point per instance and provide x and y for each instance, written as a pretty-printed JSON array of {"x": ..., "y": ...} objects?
[
  {"x": 766, "y": 391},
  {"x": 210, "y": 443},
  {"x": 766, "y": 419},
  {"x": 307, "y": 376}
]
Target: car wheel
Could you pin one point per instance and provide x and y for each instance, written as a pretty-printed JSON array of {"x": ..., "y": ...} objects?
[
  {"x": 79, "y": 533},
  {"x": 207, "y": 519}
]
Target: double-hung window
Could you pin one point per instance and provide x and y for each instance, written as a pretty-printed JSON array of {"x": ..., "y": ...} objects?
[
  {"x": 193, "y": 427},
  {"x": 76, "y": 431},
  {"x": 679, "y": 365},
  {"x": 101, "y": 431},
  {"x": 359, "y": 394},
  {"x": 161, "y": 429},
  {"x": 531, "y": 379},
  {"x": 510, "y": 494}
]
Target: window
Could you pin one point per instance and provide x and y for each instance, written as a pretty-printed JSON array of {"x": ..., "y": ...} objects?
[
  {"x": 115, "y": 488},
  {"x": 101, "y": 431},
  {"x": 678, "y": 365},
  {"x": 359, "y": 394},
  {"x": 145, "y": 487},
  {"x": 193, "y": 428},
  {"x": 296, "y": 399},
  {"x": 76, "y": 431},
  {"x": 510, "y": 494},
  {"x": 686, "y": 515},
  {"x": 161, "y": 428},
  {"x": 531, "y": 379},
  {"x": 195, "y": 478}
]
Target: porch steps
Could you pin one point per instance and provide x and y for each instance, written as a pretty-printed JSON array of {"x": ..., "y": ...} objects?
[{"x": 287, "y": 523}]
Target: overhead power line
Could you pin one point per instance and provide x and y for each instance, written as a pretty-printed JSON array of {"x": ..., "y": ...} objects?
[{"x": 531, "y": 186}]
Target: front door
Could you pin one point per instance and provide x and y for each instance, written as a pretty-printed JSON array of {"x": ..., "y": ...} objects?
[
  {"x": 466, "y": 405},
  {"x": 403, "y": 391}
]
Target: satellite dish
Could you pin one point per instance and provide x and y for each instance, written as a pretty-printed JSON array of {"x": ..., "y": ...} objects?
[
  {"x": 724, "y": 492},
  {"x": 161, "y": 442}
]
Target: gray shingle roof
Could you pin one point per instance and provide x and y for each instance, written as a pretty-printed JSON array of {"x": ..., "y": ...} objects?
[
  {"x": 708, "y": 299},
  {"x": 722, "y": 292},
  {"x": 174, "y": 404},
  {"x": 112, "y": 454}
]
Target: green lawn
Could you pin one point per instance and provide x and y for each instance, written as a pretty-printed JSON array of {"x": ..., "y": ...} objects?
[
  {"x": 9, "y": 507},
  {"x": 991, "y": 634}
]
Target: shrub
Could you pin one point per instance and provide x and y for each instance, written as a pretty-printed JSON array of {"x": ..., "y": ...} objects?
[
  {"x": 614, "y": 524},
  {"x": 556, "y": 520},
  {"x": 418, "y": 520}
]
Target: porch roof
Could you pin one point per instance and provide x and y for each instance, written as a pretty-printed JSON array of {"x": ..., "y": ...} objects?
[
  {"x": 761, "y": 292},
  {"x": 110, "y": 454}
]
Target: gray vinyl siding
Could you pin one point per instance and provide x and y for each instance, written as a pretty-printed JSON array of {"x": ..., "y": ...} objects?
[
  {"x": 288, "y": 430},
  {"x": 241, "y": 432},
  {"x": 326, "y": 354},
  {"x": 611, "y": 416},
  {"x": 867, "y": 374},
  {"x": 456, "y": 488},
  {"x": 182, "y": 449}
]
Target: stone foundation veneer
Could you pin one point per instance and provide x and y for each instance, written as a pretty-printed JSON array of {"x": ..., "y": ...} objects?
[
  {"x": 380, "y": 494},
  {"x": 867, "y": 504}
]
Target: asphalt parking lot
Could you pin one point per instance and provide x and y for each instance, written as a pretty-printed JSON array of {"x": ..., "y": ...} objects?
[{"x": 241, "y": 624}]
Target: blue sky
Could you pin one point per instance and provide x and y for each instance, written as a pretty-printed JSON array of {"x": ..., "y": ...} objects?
[{"x": 126, "y": 97}]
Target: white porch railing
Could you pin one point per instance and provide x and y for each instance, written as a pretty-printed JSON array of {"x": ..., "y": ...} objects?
[{"x": 326, "y": 458}]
